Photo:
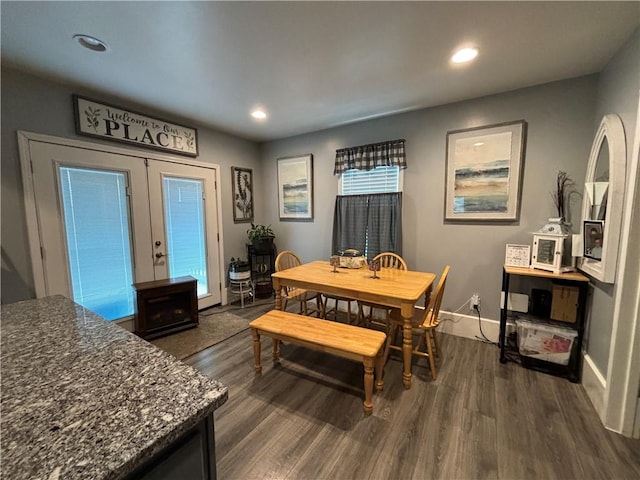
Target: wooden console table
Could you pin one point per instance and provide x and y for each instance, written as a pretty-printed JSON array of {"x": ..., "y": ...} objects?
[
  {"x": 572, "y": 370},
  {"x": 165, "y": 306}
]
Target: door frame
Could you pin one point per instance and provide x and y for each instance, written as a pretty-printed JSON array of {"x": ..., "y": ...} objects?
[
  {"x": 29, "y": 195},
  {"x": 621, "y": 411}
]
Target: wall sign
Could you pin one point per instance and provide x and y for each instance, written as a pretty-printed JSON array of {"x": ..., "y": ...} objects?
[{"x": 96, "y": 119}]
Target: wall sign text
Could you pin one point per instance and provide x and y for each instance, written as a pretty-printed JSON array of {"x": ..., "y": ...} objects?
[{"x": 97, "y": 119}]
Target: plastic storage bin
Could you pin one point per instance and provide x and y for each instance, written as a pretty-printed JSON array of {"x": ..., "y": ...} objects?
[{"x": 545, "y": 342}]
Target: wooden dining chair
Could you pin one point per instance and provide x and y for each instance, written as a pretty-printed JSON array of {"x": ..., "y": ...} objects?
[
  {"x": 387, "y": 260},
  {"x": 424, "y": 322},
  {"x": 287, "y": 259},
  {"x": 326, "y": 311}
]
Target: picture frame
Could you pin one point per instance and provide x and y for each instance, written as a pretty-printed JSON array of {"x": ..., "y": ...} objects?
[
  {"x": 295, "y": 187},
  {"x": 592, "y": 234},
  {"x": 484, "y": 173},
  {"x": 242, "y": 185}
]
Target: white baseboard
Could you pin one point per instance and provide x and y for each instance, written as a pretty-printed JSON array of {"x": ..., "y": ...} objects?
[
  {"x": 466, "y": 326},
  {"x": 453, "y": 323},
  {"x": 595, "y": 385}
]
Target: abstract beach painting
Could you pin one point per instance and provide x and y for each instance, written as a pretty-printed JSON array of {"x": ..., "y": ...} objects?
[
  {"x": 295, "y": 187},
  {"x": 483, "y": 172}
]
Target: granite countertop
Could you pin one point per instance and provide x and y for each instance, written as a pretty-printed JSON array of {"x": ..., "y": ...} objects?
[{"x": 84, "y": 399}]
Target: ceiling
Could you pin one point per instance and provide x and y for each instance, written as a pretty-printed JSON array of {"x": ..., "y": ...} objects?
[{"x": 311, "y": 65}]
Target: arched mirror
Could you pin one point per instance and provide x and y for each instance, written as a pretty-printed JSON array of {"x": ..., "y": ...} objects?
[{"x": 602, "y": 201}]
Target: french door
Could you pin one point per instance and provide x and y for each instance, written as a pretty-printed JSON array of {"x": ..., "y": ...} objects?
[
  {"x": 108, "y": 220},
  {"x": 183, "y": 208}
]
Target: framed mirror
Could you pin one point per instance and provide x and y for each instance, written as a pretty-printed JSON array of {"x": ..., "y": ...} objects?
[{"x": 602, "y": 200}]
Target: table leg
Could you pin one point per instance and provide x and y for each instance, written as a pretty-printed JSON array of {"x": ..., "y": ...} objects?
[
  {"x": 502, "y": 335},
  {"x": 256, "y": 350},
  {"x": 407, "y": 314},
  {"x": 368, "y": 386},
  {"x": 379, "y": 370}
]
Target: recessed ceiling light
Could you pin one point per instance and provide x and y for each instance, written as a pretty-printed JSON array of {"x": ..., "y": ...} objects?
[
  {"x": 92, "y": 43},
  {"x": 464, "y": 55},
  {"x": 478, "y": 144},
  {"x": 259, "y": 114}
]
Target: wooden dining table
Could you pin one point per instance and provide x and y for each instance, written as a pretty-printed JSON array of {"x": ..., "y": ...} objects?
[{"x": 393, "y": 288}]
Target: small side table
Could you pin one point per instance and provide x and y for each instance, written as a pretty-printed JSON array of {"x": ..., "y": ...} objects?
[
  {"x": 165, "y": 306},
  {"x": 242, "y": 288}
]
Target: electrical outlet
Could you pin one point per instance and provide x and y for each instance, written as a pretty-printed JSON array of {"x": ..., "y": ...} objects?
[{"x": 475, "y": 301}]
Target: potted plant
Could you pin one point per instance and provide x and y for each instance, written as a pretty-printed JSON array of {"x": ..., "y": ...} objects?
[
  {"x": 239, "y": 269},
  {"x": 261, "y": 237}
]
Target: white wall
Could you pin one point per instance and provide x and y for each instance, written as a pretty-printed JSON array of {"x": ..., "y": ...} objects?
[
  {"x": 560, "y": 129},
  {"x": 36, "y": 105}
]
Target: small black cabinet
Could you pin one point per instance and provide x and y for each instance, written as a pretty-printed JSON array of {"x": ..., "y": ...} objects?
[
  {"x": 509, "y": 349},
  {"x": 262, "y": 264},
  {"x": 165, "y": 306}
]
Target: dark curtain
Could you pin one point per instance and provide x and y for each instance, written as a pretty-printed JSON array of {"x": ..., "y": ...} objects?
[
  {"x": 350, "y": 222},
  {"x": 370, "y": 223},
  {"x": 384, "y": 224}
]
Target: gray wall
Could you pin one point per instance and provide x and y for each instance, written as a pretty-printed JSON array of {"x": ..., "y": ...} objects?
[
  {"x": 618, "y": 89},
  {"x": 560, "y": 130},
  {"x": 36, "y": 105}
]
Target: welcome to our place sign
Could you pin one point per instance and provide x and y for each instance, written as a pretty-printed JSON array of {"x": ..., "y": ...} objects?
[{"x": 102, "y": 120}]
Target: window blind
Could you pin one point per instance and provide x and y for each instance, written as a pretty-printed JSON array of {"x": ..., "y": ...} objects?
[
  {"x": 96, "y": 219},
  {"x": 378, "y": 180}
]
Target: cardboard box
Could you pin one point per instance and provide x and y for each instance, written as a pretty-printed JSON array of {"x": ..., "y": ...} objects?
[{"x": 564, "y": 303}]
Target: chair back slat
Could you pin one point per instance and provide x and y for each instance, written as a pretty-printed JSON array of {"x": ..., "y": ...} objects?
[
  {"x": 287, "y": 259},
  {"x": 391, "y": 260},
  {"x": 433, "y": 310}
]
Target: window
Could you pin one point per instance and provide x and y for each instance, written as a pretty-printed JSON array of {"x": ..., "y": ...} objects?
[
  {"x": 368, "y": 213},
  {"x": 378, "y": 180}
]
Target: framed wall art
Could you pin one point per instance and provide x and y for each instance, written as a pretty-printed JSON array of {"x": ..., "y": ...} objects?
[
  {"x": 484, "y": 172},
  {"x": 242, "y": 182},
  {"x": 295, "y": 187},
  {"x": 592, "y": 239}
]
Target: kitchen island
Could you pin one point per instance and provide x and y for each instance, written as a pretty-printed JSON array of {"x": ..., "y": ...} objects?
[{"x": 84, "y": 399}]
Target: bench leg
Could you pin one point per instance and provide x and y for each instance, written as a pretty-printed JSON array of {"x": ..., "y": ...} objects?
[
  {"x": 368, "y": 385},
  {"x": 379, "y": 370},
  {"x": 276, "y": 350},
  {"x": 256, "y": 350}
]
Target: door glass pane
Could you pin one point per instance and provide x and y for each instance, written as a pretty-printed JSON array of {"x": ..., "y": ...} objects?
[
  {"x": 96, "y": 222},
  {"x": 184, "y": 217}
]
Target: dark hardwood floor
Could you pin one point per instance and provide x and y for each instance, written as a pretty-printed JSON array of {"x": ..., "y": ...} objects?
[{"x": 303, "y": 419}]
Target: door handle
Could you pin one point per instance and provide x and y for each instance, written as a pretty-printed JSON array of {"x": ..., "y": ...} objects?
[{"x": 160, "y": 255}]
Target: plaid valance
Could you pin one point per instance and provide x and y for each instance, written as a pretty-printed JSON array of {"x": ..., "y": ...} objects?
[{"x": 368, "y": 157}]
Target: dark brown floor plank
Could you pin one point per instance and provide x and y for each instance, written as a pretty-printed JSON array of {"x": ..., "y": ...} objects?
[{"x": 303, "y": 419}]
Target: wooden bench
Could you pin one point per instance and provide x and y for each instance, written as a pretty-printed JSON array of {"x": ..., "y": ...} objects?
[{"x": 348, "y": 341}]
